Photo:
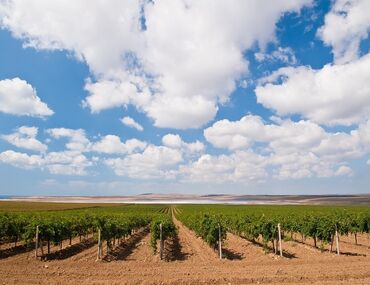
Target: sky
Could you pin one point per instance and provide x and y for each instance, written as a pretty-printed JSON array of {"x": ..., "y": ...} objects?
[{"x": 181, "y": 96}]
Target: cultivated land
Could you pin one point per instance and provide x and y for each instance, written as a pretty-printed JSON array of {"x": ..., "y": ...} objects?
[
  {"x": 188, "y": 259},
  {"x": 151, "y": 198},
  {"x": 24, "y": 206}
]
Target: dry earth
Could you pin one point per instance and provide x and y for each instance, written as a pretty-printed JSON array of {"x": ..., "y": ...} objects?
[{"x": 190, "y": 261}]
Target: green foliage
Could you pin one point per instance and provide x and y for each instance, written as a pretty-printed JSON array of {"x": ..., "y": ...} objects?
[
  {"x": 252, "y": 222},
  {"x": 207, "y": 226},
  {"x": 56, "y": 226},
  {"x": 168, "y": 229}
]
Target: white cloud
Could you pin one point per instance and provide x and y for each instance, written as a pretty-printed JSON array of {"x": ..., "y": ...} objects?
[
  {"x": 344, "y": 171},
  {"x": 21, "y": 160},
  {"x": 25, "y": 137},
  {"x": 77, "y": 140},
  {"x": 112, "y": 144},
  {"x": 154, "y": 162},
  {"x": 106, "y": 94},
  {"x": 281, "y": 150},
  {"x": 67, "y": 163},
  {"x": 185, "y": 57},
  {"x": 249, "y": 129},
  {"x": 234, "y": 135},
  {"x": 293, "y": 149},
  {"x": 285, "y": 55},
  {"x": 333, "y": 95},
  {"x": 239, "y": 166},
  {"x": 63, "y": 163},
  {"x": 175, "y": 141},
  {"x": 130, "y": 122},
  {"x": 346, "y": 24},
  {"x": 181, "y": 112},
  {"x": 17, "y": 97},
  {"x": 305, "y": 164},
  {"x": 59, "y": 27},
  {"x": 171, "y": 70}
]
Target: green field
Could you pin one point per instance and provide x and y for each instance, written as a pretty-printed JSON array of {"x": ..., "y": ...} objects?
[
  {"x": 62, "y": 221},
  {"x": 15, "y": 206},
  {"x": 55, "y": 223}
]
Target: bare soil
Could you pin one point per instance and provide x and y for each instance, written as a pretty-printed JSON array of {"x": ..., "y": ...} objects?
[{"x": 190, "y": 261}]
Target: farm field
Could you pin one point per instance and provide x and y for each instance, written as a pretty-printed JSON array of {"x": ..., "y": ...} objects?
[
  {"x": 191, "y": 235},
  {"x": 20, "y": 206}
]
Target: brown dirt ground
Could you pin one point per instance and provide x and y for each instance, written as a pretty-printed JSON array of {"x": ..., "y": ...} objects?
[{"x": 190, "y": 261}]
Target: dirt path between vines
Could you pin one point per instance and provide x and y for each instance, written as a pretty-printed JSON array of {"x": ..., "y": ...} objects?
[
  {"x": 193, "y": 248},
  {"x": 193, "y": 262}
]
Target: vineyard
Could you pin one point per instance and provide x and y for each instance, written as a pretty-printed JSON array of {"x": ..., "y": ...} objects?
[
  {"x": 254, "y": 223},
  {"x": 113, "y": 225},
  {"x": 193, "y": 234}
]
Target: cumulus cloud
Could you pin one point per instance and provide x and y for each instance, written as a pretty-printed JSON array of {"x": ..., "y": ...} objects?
[
  {"x": 17, "y": 97},
  {"x": 344, "y": 170},
  {"x": 249, "y": 129},
  {"x": 130, "y": 122},
  {"x": 77, "y": 140},
  {"x": 292, "y": 149},
  {"x": 305, "y": 164},
  {"x": 167, "y": 68},
  {"x": 67, "y": 163},
  {"x": 333, "y": 95},
  {"x": 175, "y": 141},
  {"x": 21, "y": 160},
  {"x": 118, "y": 92},
  {"x": 59, "y": 27},
  {"x": 346, "y": 24},
  {"x": 70, "y": 161},
  {"x": 154, "y": 162},
  {"x": 64, "y": 163},
  {"x": 112, "y": 144},
  {"x": 25, "y": 137},
  {"x": 241, "y": 166},
  {"x": 283, "y": 149}
]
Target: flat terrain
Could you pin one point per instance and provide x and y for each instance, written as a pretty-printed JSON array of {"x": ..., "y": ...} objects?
[
  {"x": 190, "y": 261},
  {"x": 25, "y": 206},
  {"x": 151, "y": 198}
]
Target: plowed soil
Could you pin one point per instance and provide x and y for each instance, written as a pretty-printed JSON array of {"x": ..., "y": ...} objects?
[{"x": 190, "y": 261}]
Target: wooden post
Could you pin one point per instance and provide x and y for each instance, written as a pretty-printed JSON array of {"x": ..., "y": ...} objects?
[
  {"x": 99, "y": 245},
  {"x": 280, "y": 246},
  {"x": 337, "y": 239},
  {"x": 36, "y": 241},
  {"x": 161, "y": 241},
  {"x": 219, "y": 241}
]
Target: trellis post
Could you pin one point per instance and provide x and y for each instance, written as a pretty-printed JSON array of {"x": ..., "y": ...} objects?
[
  {"x": 219, "y": 241},
  {"x": 36, "y": 241},
  {"x": 280, "y": 246}
]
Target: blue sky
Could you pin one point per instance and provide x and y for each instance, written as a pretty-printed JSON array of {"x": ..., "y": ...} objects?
[{"x": 226, "y": 97}]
